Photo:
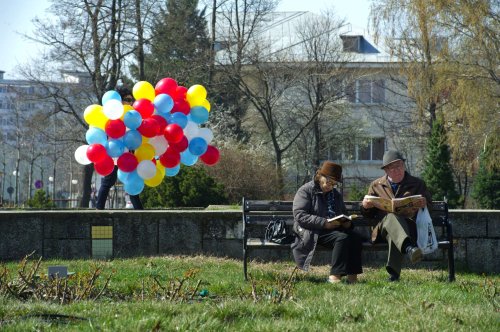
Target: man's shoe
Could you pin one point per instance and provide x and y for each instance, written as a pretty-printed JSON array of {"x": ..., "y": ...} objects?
[
  {"x": 414, "y": 254},
  {"x": 393, "y": 278}
]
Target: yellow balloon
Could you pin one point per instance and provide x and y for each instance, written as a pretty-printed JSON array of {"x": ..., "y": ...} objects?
[
  {"x": 156, "y": 180},
  {"x": 143, "y": 90},
  {"x": 206, "y": 104},
  {"x": 126, "y": 108},
  {"x": 145, "y": 152},
  {"x": 196, "y": 94},
  {"x": 95, "y": 116}
]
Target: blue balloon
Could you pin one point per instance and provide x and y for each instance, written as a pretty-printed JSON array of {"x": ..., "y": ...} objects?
[
  {"x": 163, "y": 103},
  {"x": 199, "y": 114},
  {"x": 96, "y": 136},
  {"x": 179, "y": 118},
  {"x": 134, "y": 184},
  {"x": 132, "y": 119},
  {"x": 172, "y": 171},
  {"x": 132, "y": 139},
  {"x": 188, "y": 159},
  {"x": 115, "y": 147},
  {"x": 197, "y": 146},
  {"x": 111, "y": 94},
  {"x": 122, "y": 176}
]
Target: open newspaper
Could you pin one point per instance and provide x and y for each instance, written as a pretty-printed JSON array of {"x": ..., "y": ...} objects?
[
  {"x": 342, "y": 220},
  {"x": 405, "y": 205}
]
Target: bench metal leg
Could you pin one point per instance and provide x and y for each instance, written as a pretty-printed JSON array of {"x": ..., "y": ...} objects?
[
  {"x": 451, "y": 256},
  {"x": 245, "y": 260}
]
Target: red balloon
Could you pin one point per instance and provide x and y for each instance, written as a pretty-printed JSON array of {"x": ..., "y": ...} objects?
[
  {"x": 145, "y": 107},
  {"x": 180, "y": 146},
  {"x": 181, "y": 106},
  {"x": 161, "y": 122},
  {"x": 149, "y": 128},
  {"x": 211, "y": 156},
  {"x": 127, "y": 162},
  {"x": 96, "y": 152},
  {"x": 166, "y": 85},
  {"x": 173, "y": 133},
  {"x": 115, "y": 128},
  {"x": 105, "y": 166},
  {"x": 170, "y": 158},
  {"x": 180, "y": 93}
]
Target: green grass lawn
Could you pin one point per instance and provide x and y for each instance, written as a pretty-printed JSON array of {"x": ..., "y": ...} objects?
[{"x": 209, "y": 294}]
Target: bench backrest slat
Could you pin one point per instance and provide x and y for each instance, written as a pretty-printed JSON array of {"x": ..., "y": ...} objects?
[{"x": 263, "y": 211}]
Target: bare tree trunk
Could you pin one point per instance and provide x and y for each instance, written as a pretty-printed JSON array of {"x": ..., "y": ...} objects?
[
  {"x": 88, "y": 171},
  {"x": 140, "y": 40}
]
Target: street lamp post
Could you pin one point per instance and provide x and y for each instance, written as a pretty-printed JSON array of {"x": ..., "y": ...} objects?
[{"x": 73, "y": 181}]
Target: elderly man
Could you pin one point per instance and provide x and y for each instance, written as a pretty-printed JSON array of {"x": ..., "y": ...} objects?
[{"x": 398, "y": 230}]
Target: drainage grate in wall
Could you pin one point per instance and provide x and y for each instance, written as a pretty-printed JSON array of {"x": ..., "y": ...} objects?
[{"x": 102, "y": 242}]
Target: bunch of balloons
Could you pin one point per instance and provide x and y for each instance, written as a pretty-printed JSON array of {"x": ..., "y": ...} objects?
[{"x": 150, "y": 139}]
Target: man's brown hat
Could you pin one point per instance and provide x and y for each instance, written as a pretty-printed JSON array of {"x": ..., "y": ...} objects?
[{"x": 331, "y": 169}]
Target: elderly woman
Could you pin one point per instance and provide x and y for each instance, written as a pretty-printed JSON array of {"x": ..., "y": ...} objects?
[{"x": 314, "y": 203}]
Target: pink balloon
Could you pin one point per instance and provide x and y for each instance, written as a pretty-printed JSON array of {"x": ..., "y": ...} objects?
[
  {"x": 115, "y": 128},
  {"x": 127, "y": 162},
  {"x": 173, "y": 133},
  {"x": 211, "y": 156},
  {"x": 170, "y": 158},
  {"x": 96, "y": 152},
  {"x": 105, "y": 166}
]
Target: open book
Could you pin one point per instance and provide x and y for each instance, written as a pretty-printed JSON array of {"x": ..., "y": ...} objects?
[
  {"x": 342, "y": 220},
  {"x": 405, "y": 205}
]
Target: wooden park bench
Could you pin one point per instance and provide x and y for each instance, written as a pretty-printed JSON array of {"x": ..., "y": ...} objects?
[{"x": 258, "y": 213}]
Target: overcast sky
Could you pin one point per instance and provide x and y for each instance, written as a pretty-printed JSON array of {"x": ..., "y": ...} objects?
[{"x": 16, "y": 16}]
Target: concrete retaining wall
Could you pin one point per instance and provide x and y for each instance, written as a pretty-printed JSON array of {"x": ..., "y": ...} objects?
[{"x": 67, "y": 234}]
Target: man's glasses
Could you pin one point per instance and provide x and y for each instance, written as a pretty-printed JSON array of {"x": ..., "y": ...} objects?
[{"x": 128, "y": 99}]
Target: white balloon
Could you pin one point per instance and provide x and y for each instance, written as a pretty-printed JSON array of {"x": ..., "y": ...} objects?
[
  {"x": 191, "y": 130},
  {"x": 81, "y": 155},
  {"x": 159, "y": 143},
  {"x": 206, "y": 134},
  {"x": 113, "y": 109},
  {"x": 146, "y": 169}
]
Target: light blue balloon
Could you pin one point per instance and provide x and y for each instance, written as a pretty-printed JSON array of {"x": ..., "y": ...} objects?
[
  {"x": 115, "y": 147},
  {"x": 96, "y": 136},
  {"x": 172, "y": 171},
  {"x": 179, "y": 118},
  {"x": 122, "y": 176},
  {"x": 111, "y": 94},
  {"x": 199, "y": 114},
  {"x": 133, "y": 185},
  {"x": 188, "y": 159},
  {"x": 163, "y": 103},
  {"x": 197, "y": 146},
  {"x": 132, "y": 119},
  {"x": 132, "y": 139}
]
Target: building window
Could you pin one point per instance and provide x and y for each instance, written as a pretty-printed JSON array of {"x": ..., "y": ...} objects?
[
  {"x": 366, "y": 92},
  {"x": 368, "y": 149}
]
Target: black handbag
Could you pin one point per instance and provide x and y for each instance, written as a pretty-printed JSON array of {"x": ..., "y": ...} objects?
[{"x": 277, "y": 232}]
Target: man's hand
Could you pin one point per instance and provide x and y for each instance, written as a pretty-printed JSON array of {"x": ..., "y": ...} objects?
[
  {"x": 367, "y": 204},
  {"x": 421, "y": 203},
  {"x": 330, "y": 225}
]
